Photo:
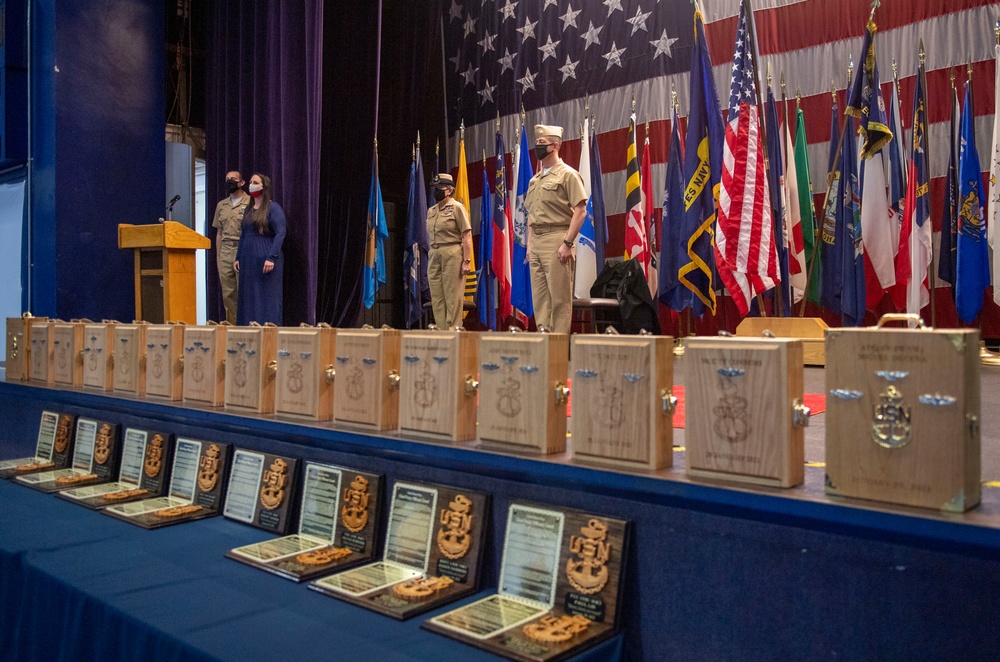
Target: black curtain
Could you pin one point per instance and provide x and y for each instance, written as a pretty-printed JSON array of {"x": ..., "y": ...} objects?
[{"x": 263, "y": 114}]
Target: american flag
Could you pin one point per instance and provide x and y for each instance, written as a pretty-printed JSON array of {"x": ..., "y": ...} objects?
[
  {"x": 744, "y": 241},
  {"x": 809, "y": 41}
]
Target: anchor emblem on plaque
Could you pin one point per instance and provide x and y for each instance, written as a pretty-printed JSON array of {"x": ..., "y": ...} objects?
[
  {"x": 198, "y": 369},
  {"x": 731, "y": 415},
  {"x": 509, "y": 393},
  {"x": 208, "y": 473},
  {"x": 62, "y": 434},
  {"x": 354, "y": 512},
  {"x": 275, "y": 479},
  {"x": 588, "y": 571},
  {"x": 102, "y": 445},
  {"x": 611, "y": 399},
  {"x": 240, "y": 367},
  {"x": 454, "y": 537},
  {"x": 154, "y": 457},
  {"x": 425, "y": 388},
  {"x": 92, "y": 351},
  {"x": 294, "y": 383},
  {"x": 355, "y": 384},
  {"x": 891, "y": 420}
]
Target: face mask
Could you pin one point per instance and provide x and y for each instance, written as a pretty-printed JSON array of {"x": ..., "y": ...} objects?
[
  {"x": 232, "y": 186},
  {"x": 439, "y": 194},
  {"x": 541, "y": 151},
  {"x": 256, "y": 190}
]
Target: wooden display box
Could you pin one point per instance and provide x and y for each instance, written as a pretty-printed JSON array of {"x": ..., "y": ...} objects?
[
  {"x": 810, "y": 330},
  {"x": 41, "y": 366},
  {"x": 18, "y": 366},
  {"x": 67, "y": 353},
  {"x": 304, "y": 384},
  {"x": 522, "y": 397},
  {"x": 437, "y": 392},
  {"x": 204, "y": 364},
  {"x": 99, "y": 355},
  {"x": 902, "y": 421},
  {"x": 747, "y": 418},
  {"x": 165, "y": 361},
  {"x": 130, "y": 358},
  {"x": 250, "y": 368},
  {"x": 622, "y": 400},
  {"x": 367, "y": 364}
]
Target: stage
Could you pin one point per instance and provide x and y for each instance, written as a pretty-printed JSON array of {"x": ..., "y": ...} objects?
[{"x": 715, "y": 570}]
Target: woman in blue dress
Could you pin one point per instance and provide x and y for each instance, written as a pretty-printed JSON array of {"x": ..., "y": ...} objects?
[{"x": 258, "y": 257}]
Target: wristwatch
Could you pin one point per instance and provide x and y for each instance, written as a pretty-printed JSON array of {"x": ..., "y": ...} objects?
[{"x": 568, "y": 243}]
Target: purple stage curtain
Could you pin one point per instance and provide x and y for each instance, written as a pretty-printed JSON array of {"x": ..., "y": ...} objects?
[{"x": 264, "y": 84}]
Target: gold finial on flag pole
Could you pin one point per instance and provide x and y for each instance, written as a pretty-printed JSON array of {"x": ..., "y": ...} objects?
[
  {"x": 783, "y": 86},
  {"x": 968, "y": 69},
  {"x": 498, "y": 121},
  {"x": 413, "y": 152},
  {"x": 895, "y": 72},
  {"x": 484, "y": 159},
  {"x": 996, "y": 30},
  {"x": 850, "y": 72},
  {"x": 461, "y": 130},
  {"x": 922, "y": 54},
  {"x": 798, "y": 99},
  {"x": 633, "y": 104},
  {"x": 833, "y": 90},
  {"x": 769, "y": 74},
  {"x": 437, "y": 148}
]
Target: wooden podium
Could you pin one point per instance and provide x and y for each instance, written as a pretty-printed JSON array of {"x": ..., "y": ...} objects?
[{"x": 164, "y": 270}]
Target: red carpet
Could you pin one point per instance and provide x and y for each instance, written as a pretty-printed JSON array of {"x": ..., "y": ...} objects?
[{"x": 815, "y": 401}]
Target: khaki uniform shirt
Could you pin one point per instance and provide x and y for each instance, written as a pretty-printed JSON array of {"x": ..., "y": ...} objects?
[
  {"x": 229, "y": 217},
  {"x": 446, "y": 221},
  {"x": 552, "y": 196}
]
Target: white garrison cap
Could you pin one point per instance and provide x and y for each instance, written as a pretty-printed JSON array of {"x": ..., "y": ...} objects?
[{"x": 546, "y": 130}]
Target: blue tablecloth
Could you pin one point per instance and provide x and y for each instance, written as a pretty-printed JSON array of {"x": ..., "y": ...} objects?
[{"x": 77, "y": 585}]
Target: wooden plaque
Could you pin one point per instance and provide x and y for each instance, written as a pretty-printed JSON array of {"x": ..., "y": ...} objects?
[
  {"x": 53, "y": 447},
  {"x": 902, "y": 420},
  {"x": 622, "y": 400},
  {"x": 130, "y": 358},
  {"x": 67, "y": 353},
  {"x": 433, "y": 552},
  {"x": 40, "y": 354},
  {"x": 250, "y": 368},
  {"x": 747, "y": 418},
  {"x": 261, "y": 489},
  {"x": 99, "y": 356},
  {"x": 204, "y": 364},
  {"x": 18, "y": 366},
  {"x": 522, "y": 402},
  {"x": 304, "y": 383},
  {"x": 338, "y": 525},
  {"x": 367, "y": 364},
  {"x": 561, "y": 580},
  {"x": 437, "y": 391},
  {"x": 164, "y": 361},
  {"x": 96, "y": 454}
]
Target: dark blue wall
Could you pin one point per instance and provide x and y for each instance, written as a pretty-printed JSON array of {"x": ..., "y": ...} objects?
[{"x": 98, "y": 149}]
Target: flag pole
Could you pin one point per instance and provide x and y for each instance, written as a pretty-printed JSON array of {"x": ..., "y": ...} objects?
[
  {"x": 932, "y": 272},
  {"x": 761, "y": 123}
]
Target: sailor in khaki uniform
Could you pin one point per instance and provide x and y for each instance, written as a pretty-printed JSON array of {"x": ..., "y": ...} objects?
[
  {"x": 228, "y": 217},
  {"x": 557, "y": 205},
  {"x": 450, "y": 234}
]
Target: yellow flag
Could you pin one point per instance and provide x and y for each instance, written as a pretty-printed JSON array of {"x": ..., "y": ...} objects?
[{"x": 462, "y": 195}]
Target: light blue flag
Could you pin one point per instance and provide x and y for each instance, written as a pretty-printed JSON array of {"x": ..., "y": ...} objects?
[{"x": 374, "y": 274}]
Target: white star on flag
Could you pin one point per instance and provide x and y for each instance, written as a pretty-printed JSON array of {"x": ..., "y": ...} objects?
[
  {"x": 455, "y": 12},
  {"x": 508, "y": 11},
  {"x": 528, "y": 30},
  {"x": 552, "y": 3},
  {"x": 470, "y": 25},
  {"x": 569, "y": 18},
  {"x": 456, "y": 60},
  {"x": 487, "y": 92},
  {"x": 639, "y": 20},
  {"x": 663, "y": 44},
  {"x": 528, "y": 80},
  {"x": 614, "y": 57},
  {"x": 487, "y": 43},
  {"x": 470, "y": 74},
  {"x": 548, "y": 49},
  {"x": 590, "y": 36},
  {"x": 613, "y": 5},
  {"x": 506, "y": 62},
  {"x": 569, "y": 69}
]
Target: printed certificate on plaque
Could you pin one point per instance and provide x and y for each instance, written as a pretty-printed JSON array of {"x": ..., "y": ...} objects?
[
  {"x": 315, "y": 551},
  {"x": 195, "y": 483},
  {"x": 244, "y": 479},
  {"x": 42, "y": 461},
  {"x": 95, "y": 440},
  {"x": 559, "y": 587},
  {"x": 432, "y": 553}
]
